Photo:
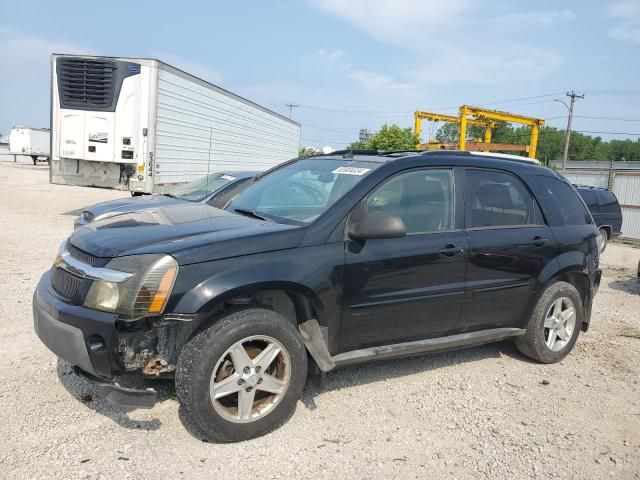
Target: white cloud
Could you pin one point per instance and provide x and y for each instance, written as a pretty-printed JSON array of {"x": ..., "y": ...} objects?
[
  {"x": 331, "y": 59},
  {"x": 441, "y": 34},
  {"x": 398, "y": 22},
  {"x": 198, "y": 69},
  {"x": 629, "y": 14},
  {"x": 628, "y": 9},
  {"x": 517, "y": 63},
  {"x": 26, "y": 73},
  {"x": 338, "y": 64},
  {"x": 373, "y": 81},
  {"x": 520, "y": 20}
]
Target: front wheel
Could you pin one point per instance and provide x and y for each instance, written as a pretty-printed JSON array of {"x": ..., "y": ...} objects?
[
  {"x": 554, "y": 325},
  {"x": 241, "y": 377}
]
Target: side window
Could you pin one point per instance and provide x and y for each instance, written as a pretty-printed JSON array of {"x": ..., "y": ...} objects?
[
  {"x": 589, "y": 197},
  {"x": 497, "y": 199},
  {"x": 571, "y": 209},
  {"x": 424, "y": 199},
  {"x": 609, "y": 202}
]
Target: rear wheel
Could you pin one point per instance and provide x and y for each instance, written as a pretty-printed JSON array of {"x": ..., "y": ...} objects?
[
  {"x": 241, "y": 377},
  {"x": 604, "y": 235},
  {"x": 554, "y": 325}
]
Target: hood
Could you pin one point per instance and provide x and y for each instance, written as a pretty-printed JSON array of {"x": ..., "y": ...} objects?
[
  {"x": 124, "y": 205},
  {"x": 191, "y": 232}
]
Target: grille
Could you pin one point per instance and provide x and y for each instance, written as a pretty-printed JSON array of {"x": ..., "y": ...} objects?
[
  {"x": 64, "y": 283},
  {"x": 82, "y": 256},
  {"x": 86, "y": 82}
]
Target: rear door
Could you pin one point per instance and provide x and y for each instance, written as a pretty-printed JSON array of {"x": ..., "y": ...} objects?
[
  {"x": 509, "y": 245},
  {"x": 408, "y": 288},
  {"x": 610, "y": 213}
]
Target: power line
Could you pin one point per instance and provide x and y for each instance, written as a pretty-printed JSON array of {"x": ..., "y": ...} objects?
[
  {"x": 291, "y": 107},
  {"x": 336, "y": 130},
  {"x": 619, "y": 119},
  {"x": 450, "y": 107}
]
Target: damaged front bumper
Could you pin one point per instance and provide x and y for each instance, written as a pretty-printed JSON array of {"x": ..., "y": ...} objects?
[
  {"x": 119, "y": 395},
  {"x": 101, "y": 348}
]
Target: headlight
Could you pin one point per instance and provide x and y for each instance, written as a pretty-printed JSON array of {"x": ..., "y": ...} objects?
[
  {"x": 103, "y": 296},
  {"x": 86, "y": 216},
  {"x": 146, "y": 292}
]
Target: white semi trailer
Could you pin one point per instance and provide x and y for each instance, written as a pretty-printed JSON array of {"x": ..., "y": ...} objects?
[
  {"x": 141, "y": 125},
  {"x": 32, "y": 142}
]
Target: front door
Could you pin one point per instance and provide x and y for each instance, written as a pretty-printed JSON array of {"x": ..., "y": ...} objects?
[{"x": 412, "y": 287}]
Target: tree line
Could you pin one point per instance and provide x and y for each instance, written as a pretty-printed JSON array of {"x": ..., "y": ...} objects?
[{"x": 550, "y": 143}]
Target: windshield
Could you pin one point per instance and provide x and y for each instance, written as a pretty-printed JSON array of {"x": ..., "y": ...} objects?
[
  {"x": 301, "y": 191},
  {"x": 201, "y": 188}
]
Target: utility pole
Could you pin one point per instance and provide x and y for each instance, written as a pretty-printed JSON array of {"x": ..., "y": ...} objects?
[
  {"x": 567, "y": 133},
  {"x": 291, "y": 107}
]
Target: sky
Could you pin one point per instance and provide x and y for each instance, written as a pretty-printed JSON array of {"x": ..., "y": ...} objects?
[{"x": 350, "y": 64}]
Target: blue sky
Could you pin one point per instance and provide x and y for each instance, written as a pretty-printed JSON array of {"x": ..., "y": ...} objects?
[{"x": 349, "y": 64}]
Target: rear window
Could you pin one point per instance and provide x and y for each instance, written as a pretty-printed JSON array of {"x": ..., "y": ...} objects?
[
  {"x": 589, "y": 197},
  {"x": 608, "y": 202},
  {"x": 572, "y": 211}
]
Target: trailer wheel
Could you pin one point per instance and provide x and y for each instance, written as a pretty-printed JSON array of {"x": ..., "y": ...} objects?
[{"x": 35, "y": 159}]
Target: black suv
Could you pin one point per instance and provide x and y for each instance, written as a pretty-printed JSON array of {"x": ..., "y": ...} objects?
[
  {"x": 325, "y": 261},
  {"x": 605, "y": 209}
]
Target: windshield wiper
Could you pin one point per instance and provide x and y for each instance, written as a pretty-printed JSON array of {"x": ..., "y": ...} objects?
[
  {"x": 170, "y": 195},
  {"x": 249, "y": 213}
]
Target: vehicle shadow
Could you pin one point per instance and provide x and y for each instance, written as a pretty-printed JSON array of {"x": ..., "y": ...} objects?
[
  {"x": 356, "y": 375},
  {"x": 85, "y": 393},
  {"x": 627, "y": 285}
]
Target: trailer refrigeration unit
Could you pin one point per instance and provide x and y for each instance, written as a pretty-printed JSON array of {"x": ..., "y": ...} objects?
[
  {"x": 32, "y": 142},
  {"x": 142, "y": 125}
]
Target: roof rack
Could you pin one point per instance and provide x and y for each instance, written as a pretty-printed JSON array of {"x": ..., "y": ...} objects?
[{"x": 507, "y": 156}]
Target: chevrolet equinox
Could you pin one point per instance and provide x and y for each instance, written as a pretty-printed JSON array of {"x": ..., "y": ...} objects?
[{"x": 323, "y": 262}]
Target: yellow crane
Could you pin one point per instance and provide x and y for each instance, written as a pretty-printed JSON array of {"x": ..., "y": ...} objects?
[
  {"x": 483, "y": 114},
  {"x": 420, "y": 115},
  {"x": 470, "y": 115}
]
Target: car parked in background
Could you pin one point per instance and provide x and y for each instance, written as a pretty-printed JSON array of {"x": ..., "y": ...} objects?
[
  {"x": 324, "y": 261},
  {"x": 215, "y": 189},
  {"x": 605, "y": 209}
]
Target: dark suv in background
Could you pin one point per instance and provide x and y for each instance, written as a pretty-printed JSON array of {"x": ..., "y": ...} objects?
[
  {"x": 605, "y": 209},
  {"x": 325, "y": 261}
]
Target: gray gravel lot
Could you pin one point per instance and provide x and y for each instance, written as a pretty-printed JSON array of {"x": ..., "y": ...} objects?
[{"x": 480, "y": 412}]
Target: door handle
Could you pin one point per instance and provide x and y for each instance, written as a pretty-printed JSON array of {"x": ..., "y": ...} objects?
[
  {"x": 539, "y": 241},
  {"x": 451, "y": 250}
]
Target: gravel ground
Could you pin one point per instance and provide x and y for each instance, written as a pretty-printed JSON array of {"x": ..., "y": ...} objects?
[{"x": 480, "y": 412}]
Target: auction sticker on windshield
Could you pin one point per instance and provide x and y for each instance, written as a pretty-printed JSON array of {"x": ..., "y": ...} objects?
[
  {"x": 351, "y": 170},
  {"x": 228, "y": 177}
]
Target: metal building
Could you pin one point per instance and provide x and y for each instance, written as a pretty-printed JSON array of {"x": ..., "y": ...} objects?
[{"x": 622, "y": 178}]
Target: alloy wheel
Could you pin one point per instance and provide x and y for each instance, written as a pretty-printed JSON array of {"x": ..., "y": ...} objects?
[
  {"x": 250, "y": 379},
  {"x": 559, "y": 324}
]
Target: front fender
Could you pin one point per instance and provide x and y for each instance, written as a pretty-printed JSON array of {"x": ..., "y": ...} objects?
[{"x": 314, "y": 272}]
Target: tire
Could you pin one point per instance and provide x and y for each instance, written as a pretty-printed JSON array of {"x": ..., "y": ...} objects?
[
  {"x": 604, "y": 234},
  {"x": 534, "y": 343},
  {"x": 208, "y": 353}
]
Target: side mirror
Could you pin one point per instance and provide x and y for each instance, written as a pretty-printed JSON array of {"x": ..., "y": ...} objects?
[{"x": 378, "y": 225}]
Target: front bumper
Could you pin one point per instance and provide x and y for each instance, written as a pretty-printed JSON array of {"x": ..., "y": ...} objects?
[
  {"x": 86, "y": 339},
  {"x": 78, "y": 335}
]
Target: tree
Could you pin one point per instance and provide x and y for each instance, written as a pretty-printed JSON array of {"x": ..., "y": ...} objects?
[
  {"x": 358, "y": 146},
  {"x": 306, "y": 152},
  {"x": 393, "y": 138}
]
